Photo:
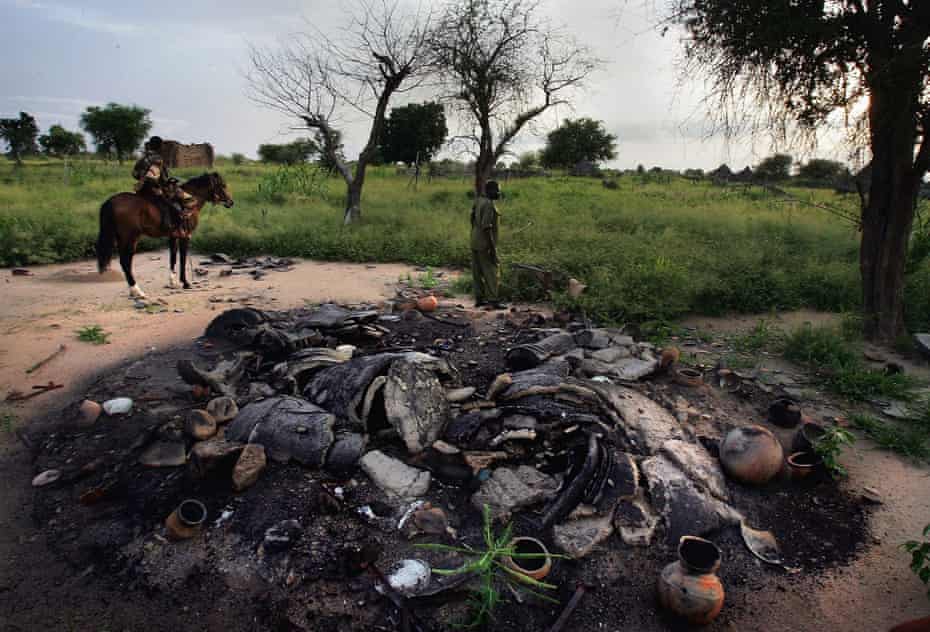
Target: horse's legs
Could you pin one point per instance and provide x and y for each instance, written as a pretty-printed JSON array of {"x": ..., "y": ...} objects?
[
  {"x": 126, "y": 250},
  {"x": 184, "y": 243},
  {"x": 173, "y": 247}
]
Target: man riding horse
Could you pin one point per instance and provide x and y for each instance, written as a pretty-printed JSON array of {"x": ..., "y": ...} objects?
[{"x": 154, "y": 184}]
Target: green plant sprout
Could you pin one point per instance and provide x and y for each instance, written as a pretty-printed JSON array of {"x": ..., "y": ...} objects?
[
  {"x": 490, "y": 570},
  {"x": 830, "y": 445},
  {"x": 920, "y": 557},
  {"x": 93, "y": 334}
]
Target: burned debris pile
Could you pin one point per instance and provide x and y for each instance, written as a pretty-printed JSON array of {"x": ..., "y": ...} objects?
[{"x": 311, "y": 436}]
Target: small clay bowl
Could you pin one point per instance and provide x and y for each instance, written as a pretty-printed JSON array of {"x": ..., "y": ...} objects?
[
  {"x": 535, "y": 567},
  {"x": 688, "y": 377},
  {"x": 802, "y": 464}
]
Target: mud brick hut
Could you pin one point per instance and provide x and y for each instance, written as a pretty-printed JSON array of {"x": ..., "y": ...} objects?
[{"x": 178, "y": 155}]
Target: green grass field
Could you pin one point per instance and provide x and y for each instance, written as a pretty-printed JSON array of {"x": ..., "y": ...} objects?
[{"x": 648, "y": 250}]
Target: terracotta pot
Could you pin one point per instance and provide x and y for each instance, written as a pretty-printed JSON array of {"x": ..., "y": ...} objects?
[
  {"x": 752, "y": 454},
  {"x": 802, "y": 464},
  {"x": 535, "y": 567},
  {"x": 785, "y": 412},
  {"x": 427, "y": 304},
  {"x": 689, "y": 377},
  {"x": 806, "y": 436},
  {"x": 186, "y": 521},
  {"x": 690, "y": 587}
]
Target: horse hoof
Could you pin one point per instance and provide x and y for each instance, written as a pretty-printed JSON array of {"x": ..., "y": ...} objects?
[
  {"x": 136, "y": 292},
  {"x": 187, "y": 285},
  {"x": 173, "y": 282}
]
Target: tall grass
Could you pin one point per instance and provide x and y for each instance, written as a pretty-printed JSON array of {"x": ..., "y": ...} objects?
[{"x": 648, "y": 250}]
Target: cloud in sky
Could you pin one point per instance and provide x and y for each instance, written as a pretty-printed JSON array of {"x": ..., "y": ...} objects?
[{"x": 186, "y": 61}]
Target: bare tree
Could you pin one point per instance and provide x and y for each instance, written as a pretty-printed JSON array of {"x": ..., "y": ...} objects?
[
  {"x": 318, "y": 80},
  {"x": 504, "y": 65}
]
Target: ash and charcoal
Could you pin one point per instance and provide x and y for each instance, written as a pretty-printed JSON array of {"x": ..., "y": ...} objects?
[{"x": 338, "y": 429}]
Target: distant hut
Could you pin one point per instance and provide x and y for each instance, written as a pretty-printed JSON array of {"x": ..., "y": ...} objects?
[
  {"x": 177, "y": 155},
  {"x": 585, "y": 169}
]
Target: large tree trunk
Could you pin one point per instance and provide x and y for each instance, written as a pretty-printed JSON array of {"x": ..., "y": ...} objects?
[
  {"x": 888, "y": 216},
  {"x": 353, "y": 201}
]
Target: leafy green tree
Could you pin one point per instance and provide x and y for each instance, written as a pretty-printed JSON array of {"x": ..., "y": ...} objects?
[
  {"x": 414, "y": 130},
  {"x": 580, "y": 140},
  {"x": 821, "y": 170},
  {"x": 805, "y": 60},
  {"x": 59, "y": 142},
  {"x": 299, "y": 150},
  {"x": 117, "y": 129},
  {"x": 20, "y": 136},
  {"x": 528, "y": 160},
  {"x": 775, "y": 168}
]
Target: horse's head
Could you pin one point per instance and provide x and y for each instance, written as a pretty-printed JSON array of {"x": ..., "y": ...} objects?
[{"x": 219, "y": 191}]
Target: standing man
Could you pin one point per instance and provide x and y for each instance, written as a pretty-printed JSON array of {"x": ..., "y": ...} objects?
[{"x": 485, "y": 264}]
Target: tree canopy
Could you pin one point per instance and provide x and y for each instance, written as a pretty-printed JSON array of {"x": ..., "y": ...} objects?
[
  {"x": 299, "y": 150},
  {"x": 823, "y": 171},
  {"x": 578, "y": 140},
  {"x": 19, "y": 135},
  {"x": 504, "y": 65},
  {"x": 417, "y": 130},
  {"x": 117, "y": 129},
  {"x": 774, "y": 168},
  {"x": 796, "y": 64},
  {"x": 59, "y": 142}
]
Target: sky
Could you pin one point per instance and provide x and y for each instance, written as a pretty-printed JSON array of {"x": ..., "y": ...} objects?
[{"x": 186, "y": 62}]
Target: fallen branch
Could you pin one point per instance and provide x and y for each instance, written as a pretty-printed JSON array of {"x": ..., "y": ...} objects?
[
  {"x": 569, "y": 609},
  {"x": 38, "y": 365},
  {"x": 16, "y": 396}
]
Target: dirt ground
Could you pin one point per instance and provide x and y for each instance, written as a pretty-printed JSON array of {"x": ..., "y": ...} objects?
[{"x": 38, "y": 590}]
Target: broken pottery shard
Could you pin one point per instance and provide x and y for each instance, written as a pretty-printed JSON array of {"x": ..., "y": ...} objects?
[
  {"x": 500, "y": 383},
  {"x": 200, "y": 425},
  {"x": 635, "y": 522},
  {"x": 645, "y": 422},
  {"x": 461, "y": 430},
  {"x": 695, "y": 461},
  {"x": 223, "y": 409},
  {"x": 347, "y": 449},
  {"x": 393, "y": 477},
  {"x": 528, "y": 356},
  {"x": 592, "y": 338},
  {"x": 762, "y": 544},
  {"x": 46, "y": 478},
  {"x": 458, "y": 395},
  {"x": 532, "y": 382},
  {"x": 578, "y": 538},
  {"x": 249, "y": 467},
  {"x": 288, "y": 427},
  {"x": 301, "y": 366},
  {"x": 622, "y": 482},
  {"x": 684, "y": 509},
  {"x": 164, "y": 454},
  {"x": 510, "y": 489},
  {"x": 341, "y": 389},
  {"x": 214, "y": 456},
  {"x": 415, "y": 404}
]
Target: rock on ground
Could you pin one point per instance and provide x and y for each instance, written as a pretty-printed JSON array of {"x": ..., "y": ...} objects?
[
  {"x": 578, "y": 538},
  {"x": 249, "y": 467},
  {"x": 645, "y": 423},
  {"x": 164, "y": 454},
  {"x": 214, "y": 456},
  {"x": 510, "y": 489},
  {"x": 393, "y": 477}
]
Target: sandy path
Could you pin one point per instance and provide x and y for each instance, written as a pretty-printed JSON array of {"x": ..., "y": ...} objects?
[{"x": 40, "y": 312}]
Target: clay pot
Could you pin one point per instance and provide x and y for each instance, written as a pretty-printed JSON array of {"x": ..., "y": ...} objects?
[
  {"x": 785, "y": 412},
  {"x": 802, "y": 464},
  {"x": 806, "y": 436},
  {"x": 427, "y": 304},
  {"x": 751, "y": 454},
  {"x": 689, "y": 377},
  {"x": 535, "y": 567},
  {"x": 690, "y": 587},
  {"x": 186, "y": 521}
]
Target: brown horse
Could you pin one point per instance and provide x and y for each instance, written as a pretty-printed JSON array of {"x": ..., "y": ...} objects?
[{"x": 126, "y": 216}]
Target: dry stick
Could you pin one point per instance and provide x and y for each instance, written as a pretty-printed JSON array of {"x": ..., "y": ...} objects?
[
  {"x": 16, "y": 396},
  {"x": 38, "y": 365},
  {"x": 569, "y": 609}
]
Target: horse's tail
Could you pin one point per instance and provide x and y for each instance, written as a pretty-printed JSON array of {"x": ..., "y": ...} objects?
[{"x": 107, "y": 237}]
